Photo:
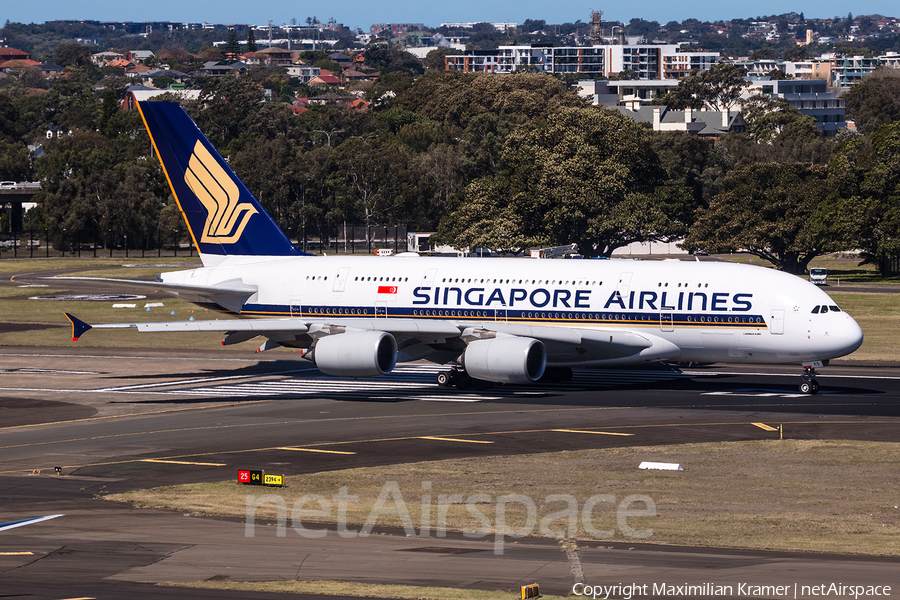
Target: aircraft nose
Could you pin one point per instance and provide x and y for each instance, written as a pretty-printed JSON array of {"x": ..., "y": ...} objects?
[{"x": 848, "y": 338}]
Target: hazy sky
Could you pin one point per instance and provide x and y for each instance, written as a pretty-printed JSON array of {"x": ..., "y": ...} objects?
[{"x": 362, "y": 13}]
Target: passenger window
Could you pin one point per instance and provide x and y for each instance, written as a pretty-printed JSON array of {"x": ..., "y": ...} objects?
[
  {"x": 815, "y": 310},
  {"x": 834, "y": 308}
]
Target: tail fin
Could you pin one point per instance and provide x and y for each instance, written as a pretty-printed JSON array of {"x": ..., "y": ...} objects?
[{"x": 222, "y": 215}]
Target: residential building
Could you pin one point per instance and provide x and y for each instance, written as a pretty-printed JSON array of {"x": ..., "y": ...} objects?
[
  {"x": 274, "y": 57},
  {"x": 809, "y": 96},
  {"x": 645, "y": 61},
  {"x": 303, "y": 72},
  {"x": 705, "y": 123},
  {"x": 611, "y": 92}
]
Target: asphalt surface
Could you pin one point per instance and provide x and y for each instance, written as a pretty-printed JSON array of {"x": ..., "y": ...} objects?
[{"x": 115, "y": 420}]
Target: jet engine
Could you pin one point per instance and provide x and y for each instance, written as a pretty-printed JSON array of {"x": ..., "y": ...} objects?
[
  {"x": 357, "y": 354},
  {"x": 505, "y": 359}
]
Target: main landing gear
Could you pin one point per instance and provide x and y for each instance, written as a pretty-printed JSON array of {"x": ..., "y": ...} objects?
[
  {"x": 458, "y": 378},
  {"x": 810, "y": 385}
]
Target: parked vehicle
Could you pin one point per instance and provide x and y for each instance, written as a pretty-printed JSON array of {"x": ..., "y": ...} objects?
[{"x": 818, "y": 276}]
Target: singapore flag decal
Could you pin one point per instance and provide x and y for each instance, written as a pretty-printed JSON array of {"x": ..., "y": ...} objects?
[{"x": 387, "y": 292}]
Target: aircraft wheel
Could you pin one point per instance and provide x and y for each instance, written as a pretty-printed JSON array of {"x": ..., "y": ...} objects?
[
  {"x": 815, "y": 386},
  {"x": 567, "y": 374},
  {"x": 463, "y": 381},
  {"x": 444, "y": 379},
  {"x": 806, "y": 388}
]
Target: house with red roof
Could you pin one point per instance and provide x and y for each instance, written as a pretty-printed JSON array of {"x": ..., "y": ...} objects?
[
  {"x": 327, "y": 80},
  {"x": 13, "y": 54}
]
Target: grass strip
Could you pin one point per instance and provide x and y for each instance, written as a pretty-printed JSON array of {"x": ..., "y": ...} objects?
[
  {"x": 360, "y": 590},
  {"x": 792, "y": 495}
]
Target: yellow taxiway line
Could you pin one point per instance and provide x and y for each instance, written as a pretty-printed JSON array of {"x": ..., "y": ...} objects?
[
  {"x": 314, "y": 450},
  {"x": 594, "y": 432}
]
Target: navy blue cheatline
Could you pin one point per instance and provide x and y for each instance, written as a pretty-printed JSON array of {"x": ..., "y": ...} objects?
[{"x": 223, "y": 216}]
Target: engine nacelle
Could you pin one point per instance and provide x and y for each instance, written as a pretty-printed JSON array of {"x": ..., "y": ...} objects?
[
  {"x": 505, "y": 359},
  {"x": 357, "y": 354}
]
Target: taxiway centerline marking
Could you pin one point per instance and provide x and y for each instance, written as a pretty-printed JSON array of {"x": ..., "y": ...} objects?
[
  {"x": 446, "y": 439},
  {"x": 765, "y": 427},
  {"x": 16, "y": 553},
  {"x": 314, "y": 450},
  {"x": 181, "y": 462},
  {"x": 594, "y": 432}
]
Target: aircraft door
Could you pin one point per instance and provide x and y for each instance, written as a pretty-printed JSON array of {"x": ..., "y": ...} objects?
[
  {"x": 380, "y": 310},
  {"x": 429, "y": 277},
  {"x": 296, "y": 306},
  {"x": 500, "y": 315},
  {"x": 776, "y": 323},
  {"x": 340, "y": 280},
  {"x": 624, "y": 284},
  {"x": 666, "y": 320}
]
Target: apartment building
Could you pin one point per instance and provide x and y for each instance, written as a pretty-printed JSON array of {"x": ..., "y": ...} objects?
[
  {"x": 644, "y": 61},
  {"x": 809, "y": 96}
]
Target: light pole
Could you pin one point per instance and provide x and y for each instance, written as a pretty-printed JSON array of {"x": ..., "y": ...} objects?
[{"x": 328, "y": 133}]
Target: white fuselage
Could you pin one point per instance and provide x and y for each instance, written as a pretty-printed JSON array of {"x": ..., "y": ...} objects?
[{"x": 710, "y": 311}]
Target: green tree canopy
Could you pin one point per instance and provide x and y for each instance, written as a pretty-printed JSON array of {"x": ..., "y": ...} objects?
[
  {"x": 875, "y": 100},
  {"x": 717, "y": 87},
  {"x": 583, "y": 175},
  {"x": 767, "y": 210},
  {"x": 453, "y": 98},
  {"x": 863, "y": 210}
]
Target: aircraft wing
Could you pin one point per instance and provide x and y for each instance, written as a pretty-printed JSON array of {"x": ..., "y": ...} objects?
[
  {"x": 23, "y": 522},
  {"x": 565, "y": 344},
  {"x": 231, "y": 294}
]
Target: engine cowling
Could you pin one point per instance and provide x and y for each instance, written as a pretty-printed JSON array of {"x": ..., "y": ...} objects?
[
  {"x": 505, "y": 359},
  {"x": 358, "y": 354}
]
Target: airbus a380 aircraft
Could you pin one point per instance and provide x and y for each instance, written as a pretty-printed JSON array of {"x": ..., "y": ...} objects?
[{"x": 504, "y": 320}]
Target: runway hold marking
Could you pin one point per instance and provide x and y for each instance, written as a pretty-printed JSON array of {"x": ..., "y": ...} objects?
[
  {"x": 594, "y": 432},
  {"x": 765, "y": 427},
  {"x": 314, "y": 450},
  {"x": 181, "y": 462},
  {"x": 445, "y": 439}
]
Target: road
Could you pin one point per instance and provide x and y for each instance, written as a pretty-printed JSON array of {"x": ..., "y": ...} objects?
[{"x": 115, "y": 420}]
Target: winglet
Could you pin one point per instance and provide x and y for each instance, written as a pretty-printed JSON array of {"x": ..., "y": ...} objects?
[{"x": 78, "y": 327}]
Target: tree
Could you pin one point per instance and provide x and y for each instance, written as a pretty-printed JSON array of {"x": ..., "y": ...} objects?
[
  {"x": 583, "y": 175},
  {"x": 770, "y": 118},
  {"x": 15, "y": 161},
  {"x": 232, "y": 47},
  {"x": 863, "y": 210},
  {"x": 453, "y": 98},
  {"x": 251, "y": 38},
  {"x": 875, "y": 100},
  {"x": 72, "y": 55},
  {"x": 434, "y": 60},
  {"x": 766, "y": 210},
  {"x": 717, "y": 87}
]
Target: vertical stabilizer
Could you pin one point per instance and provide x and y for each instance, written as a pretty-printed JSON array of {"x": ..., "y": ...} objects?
[{"x": 222, "y": 215}]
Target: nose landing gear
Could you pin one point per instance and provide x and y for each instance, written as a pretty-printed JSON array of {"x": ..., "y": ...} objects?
[{"x": 809, "y": 385}]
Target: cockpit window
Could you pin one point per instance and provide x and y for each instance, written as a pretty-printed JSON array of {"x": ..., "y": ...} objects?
[
  {"x": 824, "y": 309},
  {"x": 815, "y": 310},
  {"x": 834, "y": 308}
]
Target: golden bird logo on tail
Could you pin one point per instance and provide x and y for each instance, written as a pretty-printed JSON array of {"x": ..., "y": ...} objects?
[{"x": 226, "y": 217}]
